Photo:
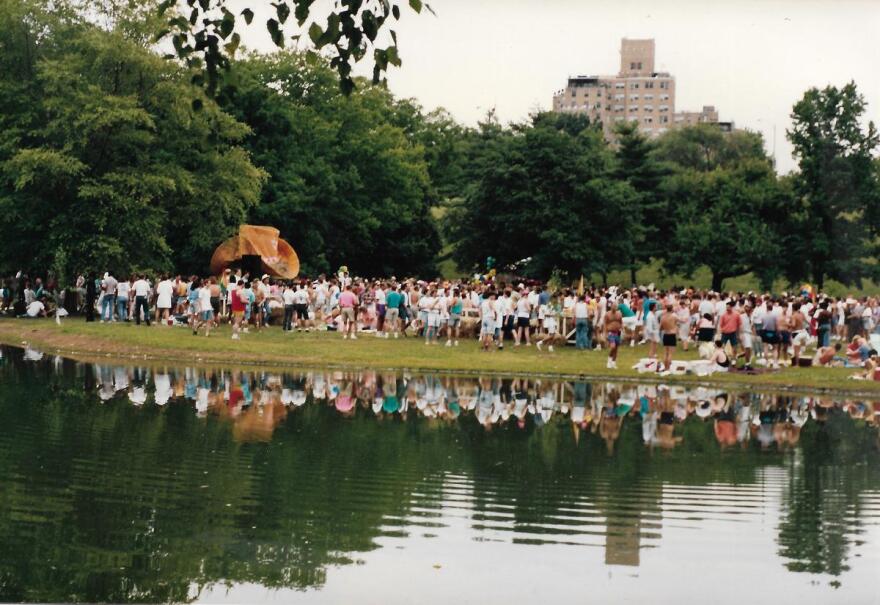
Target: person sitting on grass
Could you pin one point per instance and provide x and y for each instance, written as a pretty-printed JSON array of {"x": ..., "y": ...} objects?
[
  {"x": 857, "y": 352},
  {"x": 871, "y": 369},
  {"x": 828, "y": 356},
  {"x": 720, "y": 357}
]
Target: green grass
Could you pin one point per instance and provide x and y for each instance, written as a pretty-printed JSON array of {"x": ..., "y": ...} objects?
[{"x": 124, "y": 341}]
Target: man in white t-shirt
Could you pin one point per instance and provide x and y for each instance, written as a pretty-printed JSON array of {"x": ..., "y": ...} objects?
[
  {"x": 36, "y": 309},
  {"x": 141, "y": 289}
]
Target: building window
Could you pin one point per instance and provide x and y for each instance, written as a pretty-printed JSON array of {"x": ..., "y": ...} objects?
[
  {"x": 633, "y": 108},
  {"x": 664, "y": 119},
  {"x": 618, "y": 108},
  {"x": 634, "y": 85},
  {"x": 649, "y": 85},
  {"x": 618, "y": 118},
  {"x": 649, "y": 108},
  {"x": 664, "y": 84},
  {"x": 618, "y": 97},
  {"x": 648, "y": 97},
  {"x": 664, "y": 108},
  {"x": 619, "y": 85},
  {"x": 648, "y": 120},
  {"x": 634, "y": 97}
]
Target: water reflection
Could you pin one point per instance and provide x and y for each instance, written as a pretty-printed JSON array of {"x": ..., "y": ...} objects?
[{"x": 132, "y": 484}]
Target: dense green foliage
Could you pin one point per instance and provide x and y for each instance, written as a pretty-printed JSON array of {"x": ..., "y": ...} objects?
[
  {"x": 348, "y": 185},
  {"x": 112, "y": 157},
  {"x": 837, "y": 184}
]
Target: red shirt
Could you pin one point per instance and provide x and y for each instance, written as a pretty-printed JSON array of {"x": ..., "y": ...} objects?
[
  {"x": 729, "y": 322},
  {"x": 237, "y": 303}
]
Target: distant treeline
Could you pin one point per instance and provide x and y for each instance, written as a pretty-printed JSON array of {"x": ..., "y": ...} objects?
[{"x": 106, "y": 162}]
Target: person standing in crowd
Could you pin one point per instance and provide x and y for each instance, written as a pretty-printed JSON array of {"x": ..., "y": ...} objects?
[
  {"x": 108, "y": 302},
  {"x": 669, "y": 328},
  {"x": 164, "y": 300},
  {"x": 581, "y": 318},
  {"x": 393, "y": 303},
  {"x": 348, "y": 307},
  {"x": 770, "y": 335},
  {"x": 523, "y": 321},
  {"x": 456, "y": 305},
  {"x": 123, "y": 289},
  {"x": 239, "y": 302},
  {"x": 824, "y": 319},
  {"x": 91, "y": 296},
  {"x": 652, "y": 328},
  {"x": 141, "y": 291},
  {"x": 729, "y": 325},
  {"x": 745, "y": 330},
  {"x": 487, "y": 320},
  {"x": 613, "y": 325},
  {"x": 551, "y": 313},
  {"x": 288, "y": 299},
  {"x": 800, "y": 335},
  {"x": 205, "y": 309}
]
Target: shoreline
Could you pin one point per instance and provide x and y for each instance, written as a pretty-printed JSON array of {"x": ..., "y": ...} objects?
[{"x": 127, "y": 344}]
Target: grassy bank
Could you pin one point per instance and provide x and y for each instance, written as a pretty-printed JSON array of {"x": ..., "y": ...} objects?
[{"x": 126, "y": 342}]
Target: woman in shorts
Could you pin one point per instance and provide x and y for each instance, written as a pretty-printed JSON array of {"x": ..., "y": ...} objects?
[
  {"x": 454, "y": 322},
  {"x": 551, "y": 313}
]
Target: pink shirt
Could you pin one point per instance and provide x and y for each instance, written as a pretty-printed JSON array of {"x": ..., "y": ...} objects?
[{"x": 347, "y": 299}]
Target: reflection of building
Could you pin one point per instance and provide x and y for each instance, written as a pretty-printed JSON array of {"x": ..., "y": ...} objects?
[{"x": 637, "y": 93}]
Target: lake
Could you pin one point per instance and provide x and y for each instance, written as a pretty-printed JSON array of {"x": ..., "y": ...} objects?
[{"x": 176, "y": 484}]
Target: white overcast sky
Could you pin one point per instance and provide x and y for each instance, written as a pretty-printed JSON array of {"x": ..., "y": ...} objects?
[{"x": 752, "y": 59}]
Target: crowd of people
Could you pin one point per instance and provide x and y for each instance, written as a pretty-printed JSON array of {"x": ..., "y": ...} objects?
[{"x": 730, "y": 329}]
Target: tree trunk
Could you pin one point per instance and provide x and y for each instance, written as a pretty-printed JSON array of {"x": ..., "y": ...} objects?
[
  {"x": 717, "y": 281},
  {"x": 632, "y": 273}
]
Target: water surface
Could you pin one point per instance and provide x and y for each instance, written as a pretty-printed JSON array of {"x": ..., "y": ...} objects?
[{"x": 131, "y": 484}]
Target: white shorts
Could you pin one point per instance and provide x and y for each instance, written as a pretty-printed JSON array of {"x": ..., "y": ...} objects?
[
  {"x": 631, "y": 322},
  {"x": 652, "y": 336},
  {"x": 550, "y": 325},
  {"x": 434, "y": 320},
  {"x": 487, "y": 327},
  {"x": 801, "y": 338},
  {"x": 746, "y": 339}
]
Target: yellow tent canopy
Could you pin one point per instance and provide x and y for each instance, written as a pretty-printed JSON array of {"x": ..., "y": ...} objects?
[{"x": 277, "y": 257}]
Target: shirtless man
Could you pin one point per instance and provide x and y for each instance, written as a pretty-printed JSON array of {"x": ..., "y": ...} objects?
[
  {"x": 800, "y": 336},
  {"x": 827, "y": 356},
  {"x": 668, "y": 328},
  {"x": 613, "y": 324}
]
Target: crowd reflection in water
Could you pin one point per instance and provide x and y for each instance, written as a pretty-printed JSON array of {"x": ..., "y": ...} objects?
[{"x": 258, "y": 401}]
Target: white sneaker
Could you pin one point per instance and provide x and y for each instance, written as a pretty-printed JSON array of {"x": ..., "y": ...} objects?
[
  {"x": 235, "y": 337},
  {"x": 396, "y": 335},
  {"x": 538, "y": 345},
  {"x": 386, "y": 334},
  {"x": 448, "y": 343},
  {"x": 608, "y": 363},
  {"x": 353, "y": 337},
  {"x": 550, "y": 348},
  {"x": 344, "y": 336},
  {"x": 456, "y": 343}
]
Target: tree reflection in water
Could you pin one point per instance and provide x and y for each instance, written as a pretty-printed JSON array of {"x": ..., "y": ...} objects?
[{"x": 135, "y": 484}]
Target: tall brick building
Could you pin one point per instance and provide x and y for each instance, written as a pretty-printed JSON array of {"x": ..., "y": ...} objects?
[{"x": 637, "y": 93}]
